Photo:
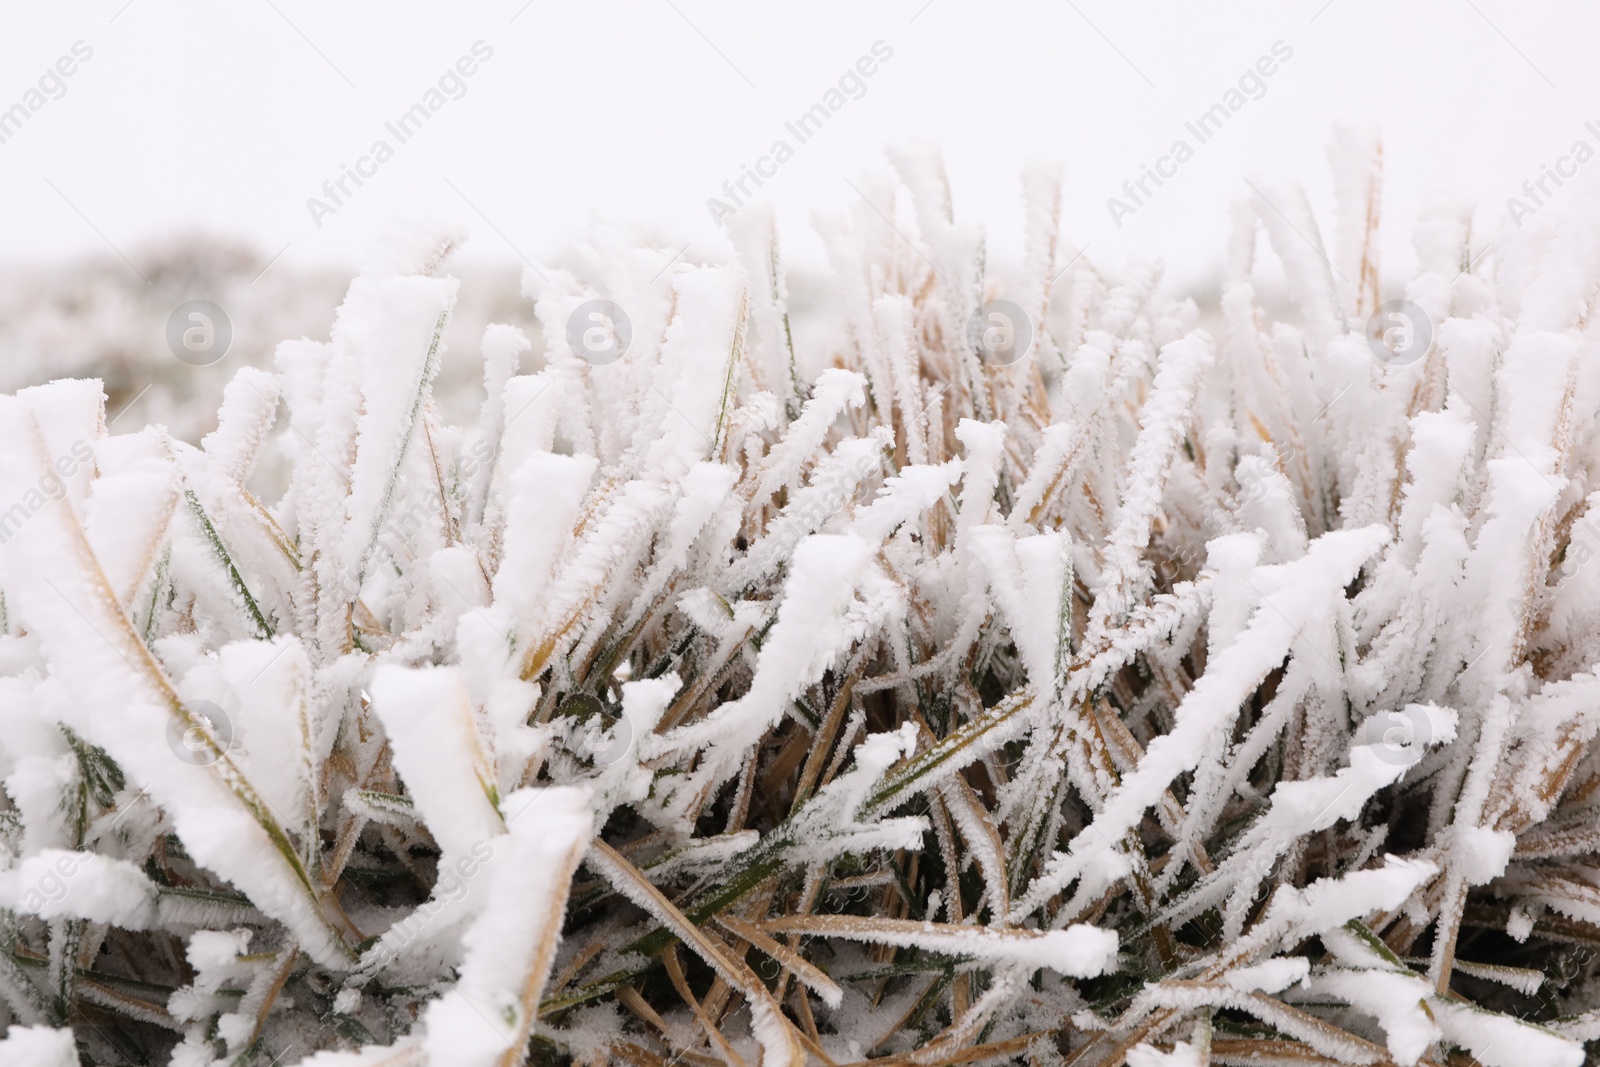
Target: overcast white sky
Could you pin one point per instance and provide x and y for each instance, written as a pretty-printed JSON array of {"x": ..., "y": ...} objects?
[{"x": 229, "y": 116}]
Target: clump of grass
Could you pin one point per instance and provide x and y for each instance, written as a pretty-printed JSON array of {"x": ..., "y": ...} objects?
[{"x": 995, "y": 669}]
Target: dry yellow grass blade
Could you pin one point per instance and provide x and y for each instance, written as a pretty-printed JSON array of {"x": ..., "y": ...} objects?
[
  {"x": 118, "y": 631},
  {"x": 987, "y": 943},
  {"x": 993, "y": 1050},
  {"x": 778, "y": 1035},
  {"x": 792, "y": 961},
  {"x": 681, "y": 984},
  {"x": 544, "y": 954}
]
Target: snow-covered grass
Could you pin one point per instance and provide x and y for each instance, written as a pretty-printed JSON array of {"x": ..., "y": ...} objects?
[
  {"x": 830, "y": 685},
  {"x": 106, "y": 318}
]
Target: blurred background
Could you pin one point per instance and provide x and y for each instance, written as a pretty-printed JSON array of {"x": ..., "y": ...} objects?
[{"x": 177, "y": 159}]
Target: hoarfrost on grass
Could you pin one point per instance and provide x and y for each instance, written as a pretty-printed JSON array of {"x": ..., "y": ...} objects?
[{"x": 801, "y": 684}]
